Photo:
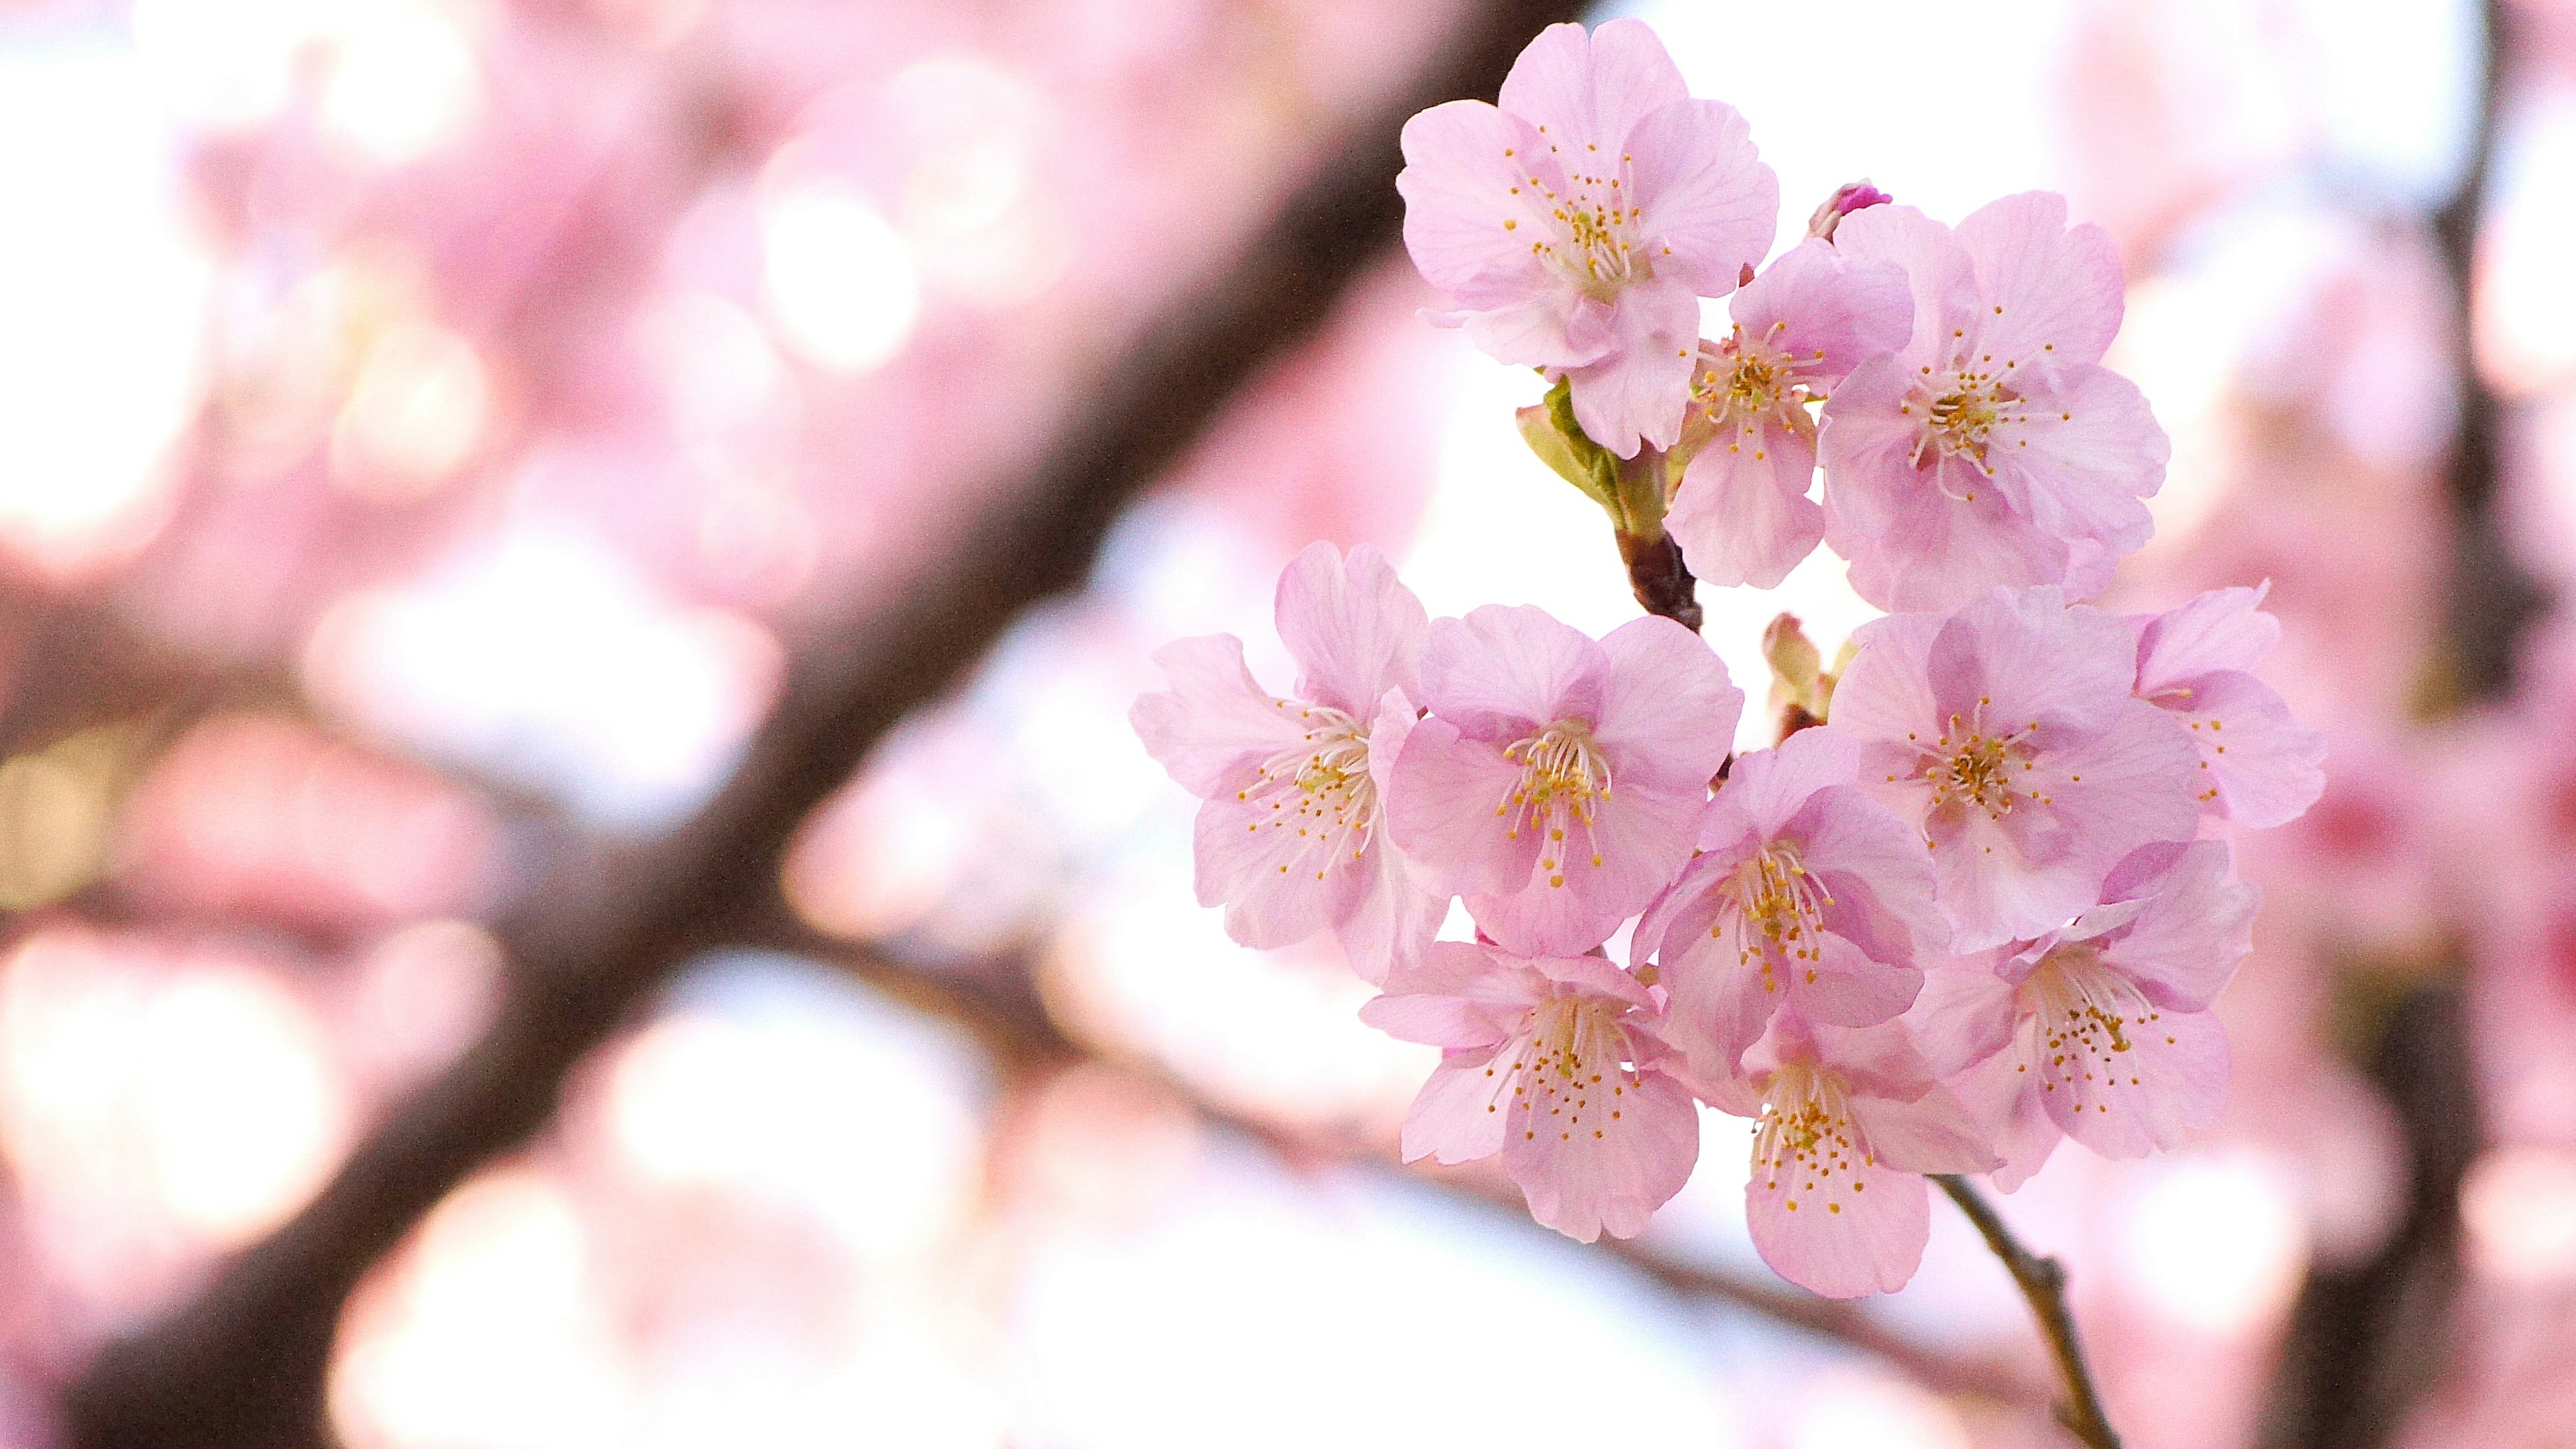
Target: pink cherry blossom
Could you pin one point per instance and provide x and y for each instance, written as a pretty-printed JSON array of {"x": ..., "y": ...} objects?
[
  {"x": 1993, "y": 449},
  {"x": 2261, "y": 767},
  {"x": 1291, "y": 838},
  {"x": 1576, "y": 225},
  {"x": 1554, "y": 1062},
  {"x": 1849, "y": 1121},
  {"x": 1742, "y": 513},
  {"x": 2008, "y": 734},
  {"x": 1558, "y": 782},
  {"x": 2102, "y": 1030},
  {"x": 1806, "y": 893}
]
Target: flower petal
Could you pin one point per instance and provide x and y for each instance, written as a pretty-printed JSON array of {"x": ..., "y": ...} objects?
[
  {"x": 1601, "y": 1156},
  {"x": 2048, "y": 291},
  {"x": 1637, "y": 392},
  {"x": 1458, "y": 1116},
  {"x": 1502, "y": 673},
  {"x": 1847, "y": 1236},
  {"x": 1215, "y": 725},
  {"x": 1742, "y": 513},
  {"x": 1592, "y": 89},
  {"x": 1707, "y": 208},
  {"x": 1444, "y": 811},
  {"x": 1353, "y": 627},
  {"x": 1668, "y": 711},
  {"x": 1461, "y": 182}
]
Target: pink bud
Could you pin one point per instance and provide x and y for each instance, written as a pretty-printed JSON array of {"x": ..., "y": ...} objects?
[{"x": 1849, "y": 197}]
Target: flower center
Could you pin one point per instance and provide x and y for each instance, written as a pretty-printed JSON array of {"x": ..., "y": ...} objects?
[
  {"x": 1972, "y": 768},
  {"x": 2085, "y": 1016},
  {"x": 1564, "y": 778},
  {"x": 1803, "y": 1143},
  {"x": 1320, "y": 787},
  {"x": 1744, "y": 382},
  {"x": 1959, "y": 421},
  {"x": 1571, "y": 1061},
  {"x": 1778, "y": 913},
  {"x": 1596, "y": 223}
]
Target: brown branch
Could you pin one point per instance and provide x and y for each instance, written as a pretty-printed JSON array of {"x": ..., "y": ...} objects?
[
  {"x": 2366, "y": 1339},
  {"x": 2042, "y": 1280},
  {"x": 244, "y": 1364}
]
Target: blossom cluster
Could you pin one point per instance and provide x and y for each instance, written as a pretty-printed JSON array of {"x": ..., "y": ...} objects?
[{"x": 1977, "y": 898}]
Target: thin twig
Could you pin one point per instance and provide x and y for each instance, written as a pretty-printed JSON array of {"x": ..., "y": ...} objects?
[{"x": 2042, "y": 1280}]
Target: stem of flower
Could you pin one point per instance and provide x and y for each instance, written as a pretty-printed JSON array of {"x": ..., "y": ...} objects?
[
  {"x": 2042, "y": 1280},
  {"x": 1658, "y": 577}
]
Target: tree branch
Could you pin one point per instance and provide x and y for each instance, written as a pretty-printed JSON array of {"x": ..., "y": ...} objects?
[
  {"x": 244, "y": 1365},
  {"x": 2042, "y": 1280}
]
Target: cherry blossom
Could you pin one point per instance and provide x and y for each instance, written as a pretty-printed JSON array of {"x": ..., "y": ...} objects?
[
  {"x": 1849, "y": 1120},
  {"x": 2008, "y": 734},
  {"x": 1558, "y": 782},
  {"x": 2261, "y": 765},
  {"x": 1554, "y": 1062},
  {"x": 1993, "y": 449},
  {"x": 1576, "y": 224},
  {"x": 1742, "y": 512},
  {"x": 2101, "y": 1031},
  {"x": 1805, "y": 893},
  {"x": 1289, "y": 841}
]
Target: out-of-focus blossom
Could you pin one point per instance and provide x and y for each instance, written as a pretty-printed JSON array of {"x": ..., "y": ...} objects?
[
  {"x": 1558, "y": 782},
  {"x": 1742, "y": 512},
  {"x": 2007, "y": 732},
  {"x": 1289, "y": 839},
  {"x": 1557, "y": 1064},
  {"x": 1993, "y": 449},
  {"x": 1804, "y": 894},
  {"x": 264, "y": 816},
  {"x": 1848, "y": 1122},
  {"x": 2196, "y": 662},
  {"x": 1577, "y": 224},
  {"x": 2102, "y": 1030}
]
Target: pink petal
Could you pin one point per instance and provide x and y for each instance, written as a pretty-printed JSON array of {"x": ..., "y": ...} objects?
[
  {"x": 1460, "y": 184},
  {"x": 1503, "y": 673},
  {"x": 1458, "y": 1116},
  {"x": 1886, "y": 692},
  {"x": 1668, "y": 711},
  {"x": 1707, "y": 206},
  {"x": 1215, "y": 725},
  {"x": 1718, "y": 1005},
  {"x": 1595, "y": 1157},
  {"x": 1457, "y": 996},
  {"x": 1580, "y": 889},
  {"x": 1877, "y": 871},
  {"x": 1847, "y": 988},
  {"x": 2264, "y": 765},
  {"x": 1395, "y": 918},
  {"x": 1766, "y": 789},
  {"x": 1828, "y": 309},
  {"x": 2024, "y": 657},
  {"x": 2126, "y": 788},
  {"x": 1443, "y": 812},
  {"x": 2047, "y": 291},
  {"x": 1595, "y": 976},
  {"x": 1637, "y": 393},
  {"x": 1279, "y": 880},
  {"x": 2221, "y": 629},
  {"x": 1932, "y": 1133},
  {"x": 2195, "y": 925},
  {"x": 2087, "y": 450},
  {"x": 1938, "y": 271},
  {"x": 2169, "y": 1083},
  {"x": 1742, "y": 513},
  {"x": 2000, "y": 1093},
  {"x": 1965, "y": 1015},
  {"x": 1845, "y": 1236},
  {"x": 1354, "y": 628},
  {"x": 1592, "y": 89}
]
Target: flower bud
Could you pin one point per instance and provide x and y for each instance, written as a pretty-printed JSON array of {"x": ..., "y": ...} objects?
[{"x": 1849, "y": 197}]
